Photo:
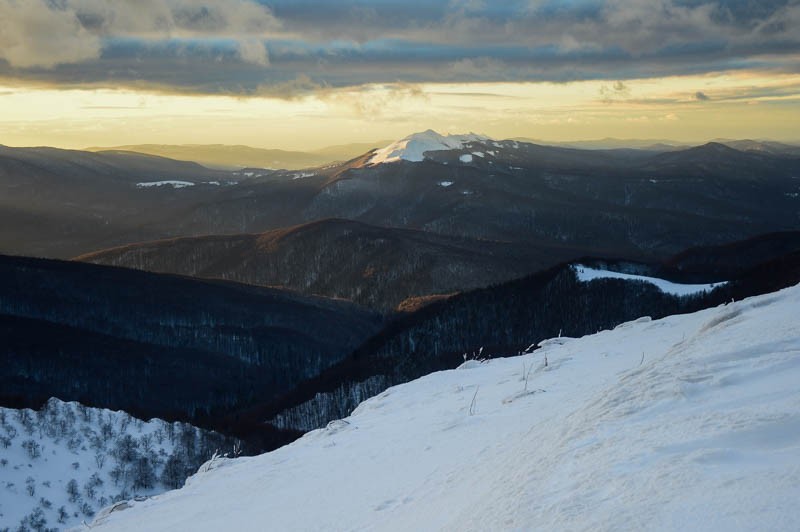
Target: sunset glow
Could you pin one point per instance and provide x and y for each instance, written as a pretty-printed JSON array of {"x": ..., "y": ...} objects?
[
  {"x": 686, "y": 108},
  {"x": 298, "y": 75}
]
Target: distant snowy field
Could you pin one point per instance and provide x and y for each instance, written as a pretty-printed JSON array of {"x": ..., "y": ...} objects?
[
  {"x": 586, "y": 274},
  {"x": 173, "y": 184},
  {"x": 687, "y": 423}
]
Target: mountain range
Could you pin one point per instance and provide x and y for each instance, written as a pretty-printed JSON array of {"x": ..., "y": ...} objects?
[
  {"x": 687, "y": 422},
  {"x": 431, "y": 215},
  {"x": 664, "y": 145},
  {"x": 265, "y": 303},
  {"x": 378, "y": 267},
  {"x": 227, "y": 157},
  {"x": 299, "y": 362},
  {"x": 166, "y": 346},
  {"x": 626, "y": 202},
  {"x": 510, "y": 317}
]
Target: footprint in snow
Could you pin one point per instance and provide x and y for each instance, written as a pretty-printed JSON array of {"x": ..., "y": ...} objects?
[{"x": 384, "y": 505}]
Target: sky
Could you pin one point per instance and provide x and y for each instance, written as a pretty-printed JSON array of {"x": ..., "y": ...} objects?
[{"x": 298, "y": 74}]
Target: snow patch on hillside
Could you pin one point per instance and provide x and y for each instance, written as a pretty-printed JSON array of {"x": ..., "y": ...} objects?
[
  {"x": 587, "y": 274},
  {"x": 303, "y": 175},
  {"x": 173, "y": 184},
  {"x": 689, "y": 422},
  {"x": 414, "y": 147},
  {"x": 466, "y": 158}
]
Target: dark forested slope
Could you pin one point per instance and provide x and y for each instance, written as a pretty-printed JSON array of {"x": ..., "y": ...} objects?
[
  {"x": 160, "y": 345},
  {"x": 62, "y": 203},
  {"x": 729, "y": 260},
  {"x": 504, "y": 319},
  {"x": 374, "y": 266}
]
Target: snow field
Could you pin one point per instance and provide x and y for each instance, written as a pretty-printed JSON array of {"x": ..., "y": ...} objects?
[
  {"x": 689, "y": 422},
  {"x": 587, "y": 274},
  {"x": 173, "y": 184}
]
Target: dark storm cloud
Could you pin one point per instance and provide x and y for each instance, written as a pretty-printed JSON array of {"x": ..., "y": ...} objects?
[{"x": 289, "y": 47}]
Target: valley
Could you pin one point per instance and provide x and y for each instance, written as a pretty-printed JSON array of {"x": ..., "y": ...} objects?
[
  {"x": 263, "y": 304},
  {"x": 401, "y": 261},
  {"x": 456, "y": 265}
]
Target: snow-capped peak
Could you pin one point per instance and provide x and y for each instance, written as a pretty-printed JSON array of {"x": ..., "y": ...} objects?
[{"x": 414, "y": 147}]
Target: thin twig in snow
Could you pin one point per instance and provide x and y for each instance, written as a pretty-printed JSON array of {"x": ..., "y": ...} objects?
[{"x": 472, "y": 404}]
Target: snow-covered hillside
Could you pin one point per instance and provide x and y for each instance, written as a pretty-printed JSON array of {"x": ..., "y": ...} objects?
[
  {"x": 687, "y": 423},
  {"x": 414, "y": 147},
  {"x": 62, "y": 463},
  {"x": 587, "y": 274}
]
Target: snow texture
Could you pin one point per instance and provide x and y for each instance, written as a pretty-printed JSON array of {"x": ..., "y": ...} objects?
[
  {"x": 466, "y": 158},
  {"x": 445, "y": 184},
  {"x": 414, "y": 147},
  {"x": 173, "y": 184},
  {"x": 41, "y": 452},
  {"x": 686, "y": 423},
  {"x": 587, "y": 274}
]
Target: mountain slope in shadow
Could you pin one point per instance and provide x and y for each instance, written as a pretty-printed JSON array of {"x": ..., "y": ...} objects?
[
  {"x": 161, "y": 345},
  {"x": 377, "y": 267}
]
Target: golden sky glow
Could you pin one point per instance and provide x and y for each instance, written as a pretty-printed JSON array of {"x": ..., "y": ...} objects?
[
  {"x": 299, "y": 74},
  {"x": 683, "y": 108}
]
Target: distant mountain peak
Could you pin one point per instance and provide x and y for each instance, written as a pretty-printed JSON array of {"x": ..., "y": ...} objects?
[
  {"x": 413, "y": 147},
  {"x": 715, "y": 146}
]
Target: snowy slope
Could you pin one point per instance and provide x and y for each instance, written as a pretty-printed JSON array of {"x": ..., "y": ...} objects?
[
  {"x": 413, "y": 147},
  {"x": 42, "y": 452},
  {"x": 587, "y": 274},
  {"x": 690, "y": 422}
]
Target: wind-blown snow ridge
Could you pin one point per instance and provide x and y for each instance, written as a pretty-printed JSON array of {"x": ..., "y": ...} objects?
[
  {"x": 414, "y": 147},
  {"x": 684, "y": 423},
  {"x": 586, "y": 274}
]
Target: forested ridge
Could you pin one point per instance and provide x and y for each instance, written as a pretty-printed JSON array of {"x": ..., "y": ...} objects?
[
  {"x": 230, "y": 357},
  {"x": 503, "y": 320},
  {"x": 159, "y": 345}
]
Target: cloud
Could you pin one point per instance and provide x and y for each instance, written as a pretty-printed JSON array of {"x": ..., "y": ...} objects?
[
  {"x": 299, "y": 87},
  {"x": 253, "y": 51},
  {"x": 31, "y": 34},
  {"x": 701, "y": 96},
  {"x": 375, "y": 101},
  {"x": 45, "y": 33},
  {"x": 478, "y": 68},
  {"x": 616, "y": 92},
  {"x": 468, "y": 5},
  {"x": 223, "y": 46}
]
